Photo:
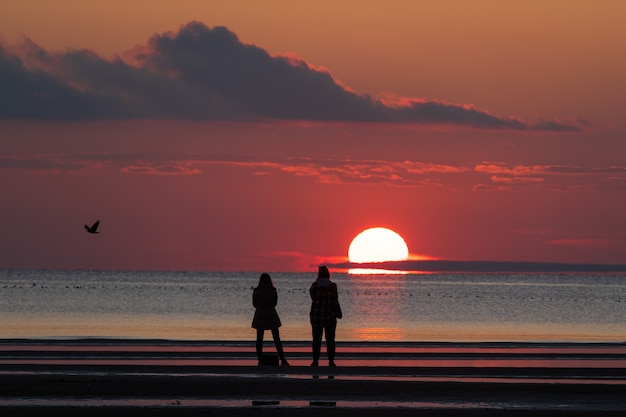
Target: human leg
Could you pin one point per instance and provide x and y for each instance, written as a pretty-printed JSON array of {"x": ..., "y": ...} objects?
[
  {"x": 330, "y": 343},
  {"x": 279, "y": 346},
  {"x": 317, "y": 344},
  {"x": 259, "y": 343}
]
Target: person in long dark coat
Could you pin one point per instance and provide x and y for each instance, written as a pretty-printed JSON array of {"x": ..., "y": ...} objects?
[
  {"x": 325, "y": 310},
  {"x": 264, "y": 300}
]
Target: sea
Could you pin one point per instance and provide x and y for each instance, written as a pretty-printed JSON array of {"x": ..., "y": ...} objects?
[{"x": 217, "y": 306}]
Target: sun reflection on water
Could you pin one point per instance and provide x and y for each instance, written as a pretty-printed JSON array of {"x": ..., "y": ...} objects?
[
  {"x": 373, "y": 271},
  {"x": 378, "y": 333},
  {"x": 378, "y": 299}
]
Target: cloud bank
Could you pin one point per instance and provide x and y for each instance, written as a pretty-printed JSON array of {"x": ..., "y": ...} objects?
[
  {"x": 202, "y": 73},
  {"x": 488, "y": 176}
]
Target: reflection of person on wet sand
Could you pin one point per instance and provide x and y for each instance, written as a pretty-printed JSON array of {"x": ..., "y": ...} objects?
[
  {"x": 264, "y": 300},
  {"x": 325, "y": 311}
]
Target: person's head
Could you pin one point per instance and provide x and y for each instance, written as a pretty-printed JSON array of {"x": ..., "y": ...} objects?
[
  {"x": 265, "y": 280},
  {"x": 323, "y": 272}
]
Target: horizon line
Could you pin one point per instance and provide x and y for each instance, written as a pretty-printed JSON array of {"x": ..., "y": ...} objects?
[{"x": 480, "y": 266}]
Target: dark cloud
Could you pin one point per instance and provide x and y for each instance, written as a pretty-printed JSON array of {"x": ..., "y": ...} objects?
[
  {"x": 552, "y": 125},
  {"x": 38, "y": 94},
  {"x": 202, "y": 73}
]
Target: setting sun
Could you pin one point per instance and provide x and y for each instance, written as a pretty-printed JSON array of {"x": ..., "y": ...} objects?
[{"x": 378, "y": 244}]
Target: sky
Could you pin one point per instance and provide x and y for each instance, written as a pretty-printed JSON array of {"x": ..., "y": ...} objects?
[{"x": 264, "y": 136}]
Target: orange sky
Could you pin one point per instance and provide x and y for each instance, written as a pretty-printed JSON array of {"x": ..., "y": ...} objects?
[{"x": 174, "y": 193}]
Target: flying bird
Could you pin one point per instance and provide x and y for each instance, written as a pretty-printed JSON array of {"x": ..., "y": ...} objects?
[{"x": 93, "y": 228}]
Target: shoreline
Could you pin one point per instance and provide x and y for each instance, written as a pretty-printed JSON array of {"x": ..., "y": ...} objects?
[
  {"x": 165, "y": 341},
  {"x": 105, "y": 377},
  {"x": 583, "y": 360}
]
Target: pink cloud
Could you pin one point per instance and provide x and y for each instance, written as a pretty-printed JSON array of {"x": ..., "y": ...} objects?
[
  {"x": 160, "y": 170},
  {"x": 582, "y": 242},
  {"x": 559, "y": 177}
]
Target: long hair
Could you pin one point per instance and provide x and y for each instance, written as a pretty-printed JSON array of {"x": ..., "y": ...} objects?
[
  {"x": 323, "y": 272},
  {"x": 265, "y": 280}
]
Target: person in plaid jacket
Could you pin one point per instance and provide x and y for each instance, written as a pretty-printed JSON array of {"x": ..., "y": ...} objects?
[{"x": 325, "y": 310}]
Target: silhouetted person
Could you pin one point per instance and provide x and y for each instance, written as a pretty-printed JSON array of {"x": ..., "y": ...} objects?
[
  {"x": 325, "y": 310},
  {"x": 264, "y": 300},
  {"x": 93, "y": 228}
]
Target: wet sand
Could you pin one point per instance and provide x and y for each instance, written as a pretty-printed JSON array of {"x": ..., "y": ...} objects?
[{"x": 161, "y": 378}]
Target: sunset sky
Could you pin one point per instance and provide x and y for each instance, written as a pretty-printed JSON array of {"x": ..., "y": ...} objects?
[{"x": 265, "y": 135}]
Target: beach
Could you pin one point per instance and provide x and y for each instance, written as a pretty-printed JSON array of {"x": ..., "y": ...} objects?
[{"x": 104, "y": 377}]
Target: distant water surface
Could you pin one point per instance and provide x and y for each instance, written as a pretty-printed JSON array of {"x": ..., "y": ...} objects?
[{"x": 218, "y": 306}]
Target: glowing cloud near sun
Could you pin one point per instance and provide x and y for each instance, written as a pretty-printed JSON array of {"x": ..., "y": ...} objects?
[{"x": 377, "y": 244}]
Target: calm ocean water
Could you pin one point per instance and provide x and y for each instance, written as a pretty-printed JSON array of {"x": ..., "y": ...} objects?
[{"x": 218, "y": 306}]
